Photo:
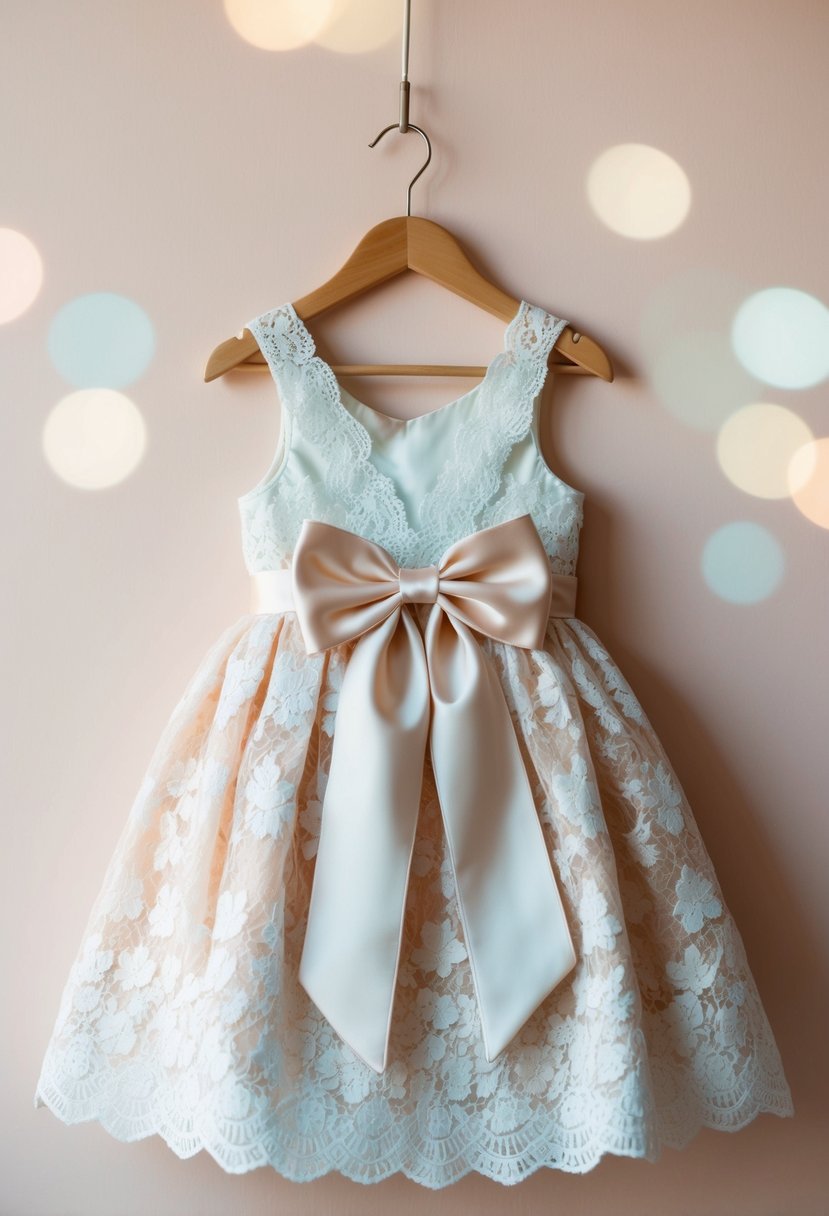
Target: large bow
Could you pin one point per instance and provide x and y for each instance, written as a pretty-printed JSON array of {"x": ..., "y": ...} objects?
[{"x": 496, "y": 581}]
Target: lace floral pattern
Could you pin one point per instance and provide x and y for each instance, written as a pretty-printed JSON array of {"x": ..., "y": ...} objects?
[
  {"x": 183, "y": 1016},
  {"x": 351, "y": 491}
]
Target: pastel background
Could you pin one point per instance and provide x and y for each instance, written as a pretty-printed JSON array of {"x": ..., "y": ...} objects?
[{"x": 164, "y": 180}]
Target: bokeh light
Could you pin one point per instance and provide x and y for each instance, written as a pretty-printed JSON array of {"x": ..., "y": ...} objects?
[
  {"x": 101, "y": 340},
  {"x": 742, "y": 562},
  {"x": 94, "y": 438},
  {"x": 21, "y": 274},
  {"x": 755, "y": 447},
  {"x": 781, "y": 335},
  {"x": 356, "y": 26},
  {"x": 638, "y": 191},
  {"x": 809, "y": 481},
  {"x": 279, "y": 25},
  {"x": 697, "y": 378}
]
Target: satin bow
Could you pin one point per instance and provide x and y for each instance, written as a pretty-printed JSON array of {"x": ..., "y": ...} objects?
[{"x": 496, "y": 581}]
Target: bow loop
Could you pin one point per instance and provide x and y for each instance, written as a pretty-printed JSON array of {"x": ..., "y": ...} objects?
[
  {"x": 498, "y": 581},
  {"x": 343, "y": 584},
  {"x": 400, "y": 690}
]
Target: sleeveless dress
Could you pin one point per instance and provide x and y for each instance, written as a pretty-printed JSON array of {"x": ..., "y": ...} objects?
[{"x": 183, "y": 1015}]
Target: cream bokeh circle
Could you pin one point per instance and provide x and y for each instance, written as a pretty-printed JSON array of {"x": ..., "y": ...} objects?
[
  {"x": 279, "y": 25},
  {"x": 755, "y": 446},
  {"x": 638, "y": 191},
  {"x": 809, "y": 481},
  {"x": 21, "y": 274},
  {"x": 94, "y": 438}
]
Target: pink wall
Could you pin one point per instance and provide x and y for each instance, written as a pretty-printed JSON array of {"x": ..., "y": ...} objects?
[{"x": 148, "y": 150}]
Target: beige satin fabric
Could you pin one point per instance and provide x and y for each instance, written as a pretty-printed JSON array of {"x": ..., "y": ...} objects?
[
  {"x": 400, "y": 688},
  {"x": 273, "y": 591}
]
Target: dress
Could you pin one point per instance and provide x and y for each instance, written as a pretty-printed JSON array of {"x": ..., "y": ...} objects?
[{"x": 183, "y": 1014}]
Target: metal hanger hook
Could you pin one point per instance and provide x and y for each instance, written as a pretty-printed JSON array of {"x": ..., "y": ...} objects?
[{"x": 409, "y": 127}]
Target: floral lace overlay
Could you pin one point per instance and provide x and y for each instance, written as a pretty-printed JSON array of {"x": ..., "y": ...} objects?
[
  {"x": 183, "y": 1015},
  {"x": 351, "y": 492}
]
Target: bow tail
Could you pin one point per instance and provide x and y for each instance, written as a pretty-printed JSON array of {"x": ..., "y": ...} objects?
[
  {"x": 516, "y": 932},
  {"x": 352, "y": 942}
]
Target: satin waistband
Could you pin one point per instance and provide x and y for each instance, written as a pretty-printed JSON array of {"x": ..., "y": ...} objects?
[{"x": 272, "y": 591}]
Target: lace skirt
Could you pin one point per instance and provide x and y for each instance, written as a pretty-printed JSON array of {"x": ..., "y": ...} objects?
[{"x": 183, "y": 1017}]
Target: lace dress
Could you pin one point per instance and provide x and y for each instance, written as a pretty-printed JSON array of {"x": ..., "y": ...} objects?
[{"x": 183, "y": 1015}]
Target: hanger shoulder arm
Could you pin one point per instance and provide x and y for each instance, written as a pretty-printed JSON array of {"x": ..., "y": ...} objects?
[
  {"x": 582, "y": 351},
  {"x": 230, "y": 354}
]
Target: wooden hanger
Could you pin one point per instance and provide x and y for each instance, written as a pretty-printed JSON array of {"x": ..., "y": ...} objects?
[
  {"x": 408, "y": 242},
  {"x": 402, "y": 243}
]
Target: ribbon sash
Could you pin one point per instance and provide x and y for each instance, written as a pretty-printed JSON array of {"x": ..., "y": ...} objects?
[{"x": 400, "y": 689}]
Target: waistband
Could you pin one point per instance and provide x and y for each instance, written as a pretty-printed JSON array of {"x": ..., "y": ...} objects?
[{"x": 272, "y": 591}]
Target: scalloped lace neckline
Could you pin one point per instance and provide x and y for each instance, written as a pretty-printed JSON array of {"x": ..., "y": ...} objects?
[{"x": 471, "y": 395}]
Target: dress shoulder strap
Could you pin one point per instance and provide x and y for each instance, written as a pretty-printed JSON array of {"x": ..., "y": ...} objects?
[
  {"x": 530, "y": 342},
  {"x": 287, "y": 346},
  {"x": 532, "y": 337},
  {"x": 282, "y": 338}
]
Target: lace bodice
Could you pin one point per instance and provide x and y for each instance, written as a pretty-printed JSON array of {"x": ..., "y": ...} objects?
[{"x": 416, "y": 485}]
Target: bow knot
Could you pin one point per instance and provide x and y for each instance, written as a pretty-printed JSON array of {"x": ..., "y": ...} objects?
[
  {"x": 400, "y": 690},
  {"x": 419, "y": 584}
]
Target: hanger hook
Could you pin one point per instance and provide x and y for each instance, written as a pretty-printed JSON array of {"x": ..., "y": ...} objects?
[{"x": 409, "y": 127}]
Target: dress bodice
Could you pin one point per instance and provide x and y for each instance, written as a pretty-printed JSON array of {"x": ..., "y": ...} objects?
[{"x": 412, "y": 485}]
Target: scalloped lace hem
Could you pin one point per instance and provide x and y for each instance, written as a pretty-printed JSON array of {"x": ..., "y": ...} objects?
[{"x": 582, "y": 1155}]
